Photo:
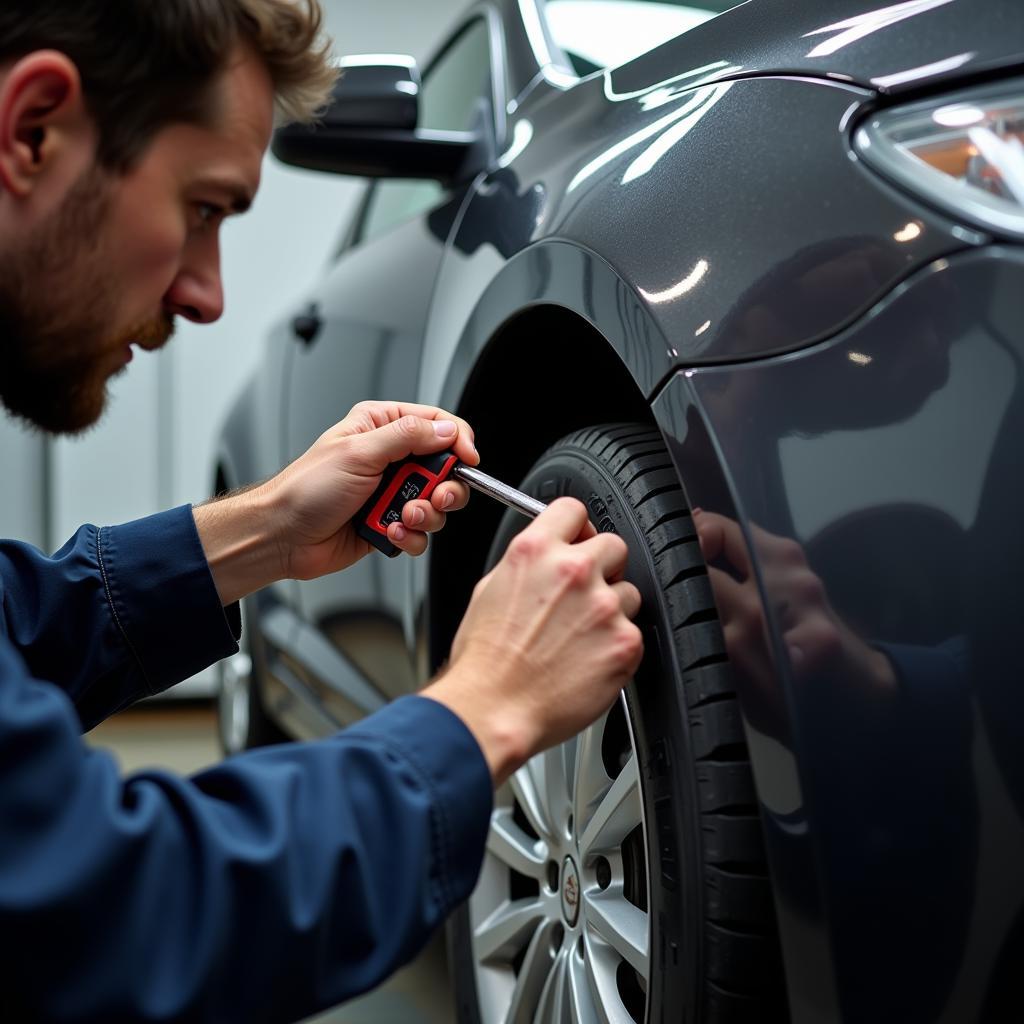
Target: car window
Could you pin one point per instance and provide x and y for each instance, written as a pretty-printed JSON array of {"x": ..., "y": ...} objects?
[
  {"x": 457, "y": 87},
  {"x": 596, "y": 34},
  {"x": 456, "y": 96}
]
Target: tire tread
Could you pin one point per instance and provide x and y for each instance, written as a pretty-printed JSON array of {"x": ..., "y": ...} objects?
[{"x": 743, "y": 972}]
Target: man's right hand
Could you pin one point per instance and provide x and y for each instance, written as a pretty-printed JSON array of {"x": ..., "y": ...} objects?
[{"x": 546, "y": 644}]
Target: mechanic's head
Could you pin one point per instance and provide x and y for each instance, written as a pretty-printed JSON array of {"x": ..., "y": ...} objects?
[{"x": 129, "y": 129}]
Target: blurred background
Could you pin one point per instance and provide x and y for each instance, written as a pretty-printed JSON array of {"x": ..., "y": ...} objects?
[{"x": 154, "y": 447}]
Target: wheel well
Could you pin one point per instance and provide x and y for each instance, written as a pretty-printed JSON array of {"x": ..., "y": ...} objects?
[{"x": 546, "y": 373}]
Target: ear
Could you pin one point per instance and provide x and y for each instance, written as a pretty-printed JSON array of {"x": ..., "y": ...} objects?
[{"x": 42, "y": 117}]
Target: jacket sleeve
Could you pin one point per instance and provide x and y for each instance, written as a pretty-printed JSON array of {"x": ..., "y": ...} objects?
[
  {"x": 274, "y": 885},
  {"x": 117, "y": 614}
]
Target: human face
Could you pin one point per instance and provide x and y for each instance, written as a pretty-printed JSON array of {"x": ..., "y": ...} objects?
[{"x": 124, "y": 254}]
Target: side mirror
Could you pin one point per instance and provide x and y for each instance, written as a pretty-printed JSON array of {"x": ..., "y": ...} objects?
[{"x": 369, "y": 129}]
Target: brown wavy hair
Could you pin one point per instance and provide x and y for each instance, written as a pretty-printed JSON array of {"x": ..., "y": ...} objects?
[{"x": 146, "y": 64}]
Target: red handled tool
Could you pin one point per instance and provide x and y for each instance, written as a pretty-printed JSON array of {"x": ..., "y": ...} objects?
[{"x": 416, "y": 477}]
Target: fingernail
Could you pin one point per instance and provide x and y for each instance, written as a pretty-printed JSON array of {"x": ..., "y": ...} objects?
[
  {"x": 696, "y": 511},
  {"x": 445, "y": 428},
  {"x": 416, "y": 516},
  {"x": 448, "y": 501},
  {"x": 400, "y": 533}
]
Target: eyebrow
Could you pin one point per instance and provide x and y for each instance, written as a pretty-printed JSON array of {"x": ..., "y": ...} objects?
[{"x": 241, "y": 197}]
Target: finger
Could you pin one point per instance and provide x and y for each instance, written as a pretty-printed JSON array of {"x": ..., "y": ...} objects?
[
  {"x": 463, "y": 442},
  {"x": 412, "y": 542},
  {"x": 564, "y": 519},
  {"x": 730, "y": 596},
  {"x": 409, "y": 435},
  {"x": 610, "y": 552},
  {"x": 450, "y": 497},
  {"x": 629, "y": 599},
  {"x": 812, "y": 643},
  {"x": 722, "y": 537},
  {"x": 589, "y": 530},
  {"x": 422, "y": 516}
]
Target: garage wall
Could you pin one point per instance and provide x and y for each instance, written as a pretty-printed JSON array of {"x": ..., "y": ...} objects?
[{"x": 23, "y": 498}]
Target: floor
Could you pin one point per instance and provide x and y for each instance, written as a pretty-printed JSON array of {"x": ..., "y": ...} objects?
[{"x": 183, "y": 738}]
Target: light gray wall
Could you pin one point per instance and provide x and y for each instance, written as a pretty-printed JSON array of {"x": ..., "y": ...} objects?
[{"x": 23, "y": 491}]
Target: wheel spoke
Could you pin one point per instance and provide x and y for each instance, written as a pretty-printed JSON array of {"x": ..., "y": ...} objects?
[
  {"x": 558, "y": 770},
  {"x": 618, "y": 813},
  {"x": 554, "y": 1006},
  {"x": 507, "y": 930},
  {"x": 602, "y": 963},
  {"x": 512, "y": 846},
  {"x": 590, "y": 777},
  {"x": 620, "y": 924},
  {"x": 533, "y": 975},
  {"x": 584, "y": 1002},
  {"x": 529, "y": 796}
]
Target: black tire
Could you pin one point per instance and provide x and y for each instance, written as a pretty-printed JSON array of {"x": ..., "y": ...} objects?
[
  {"x": 713, "y": 938},
  {"x": 248, "y": 726}
]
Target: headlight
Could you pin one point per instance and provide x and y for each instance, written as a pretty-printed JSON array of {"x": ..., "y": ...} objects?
[{"x": 964, "y": 153}]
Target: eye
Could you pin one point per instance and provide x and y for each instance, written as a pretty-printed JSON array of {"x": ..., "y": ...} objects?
[{"x": 208, "y": 213}]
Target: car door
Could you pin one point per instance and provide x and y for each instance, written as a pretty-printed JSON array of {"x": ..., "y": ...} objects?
[{"x": 361, "y": 339}]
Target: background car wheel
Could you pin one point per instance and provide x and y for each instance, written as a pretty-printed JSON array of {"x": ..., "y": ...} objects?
[
  {"x": 625, "y": 879},
  {"x": 242, "y": 721}
]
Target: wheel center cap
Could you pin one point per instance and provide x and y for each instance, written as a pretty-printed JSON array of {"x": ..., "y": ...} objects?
[{"x": 570, "y": 892}]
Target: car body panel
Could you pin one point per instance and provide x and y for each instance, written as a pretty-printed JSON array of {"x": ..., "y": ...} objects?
[
  {"x": 888, "y": 47},
  {"x": 366, "y": 349},
  {"x": 690, "y": 288},
  {"x": 904, "y": 809}
]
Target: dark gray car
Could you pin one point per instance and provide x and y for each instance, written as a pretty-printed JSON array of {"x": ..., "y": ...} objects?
[{"x": 764, "y": 262}]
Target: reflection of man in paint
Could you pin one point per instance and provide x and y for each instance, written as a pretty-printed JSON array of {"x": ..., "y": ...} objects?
[{"x": 884, "y": 728}]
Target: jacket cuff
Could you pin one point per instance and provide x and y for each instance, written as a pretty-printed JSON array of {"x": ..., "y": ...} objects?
[
  {"x": 163, "y": 599},
  {"x": 438, "y": 745}
]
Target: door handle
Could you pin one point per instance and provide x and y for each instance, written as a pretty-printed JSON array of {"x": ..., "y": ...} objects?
[{"x": 306, "y": 326}]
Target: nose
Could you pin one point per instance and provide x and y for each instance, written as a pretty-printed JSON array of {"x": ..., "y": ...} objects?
[{"x": 197, "y": 292}]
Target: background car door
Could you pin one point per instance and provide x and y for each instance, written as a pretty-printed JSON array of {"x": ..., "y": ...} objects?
[{"x": 361, "y": 339}]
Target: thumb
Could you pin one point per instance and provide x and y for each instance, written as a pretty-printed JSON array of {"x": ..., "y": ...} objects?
[{"x": 409, "y": 435}]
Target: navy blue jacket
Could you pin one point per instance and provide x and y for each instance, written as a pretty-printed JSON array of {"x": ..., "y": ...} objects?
[{"x": 276, "y": 884}]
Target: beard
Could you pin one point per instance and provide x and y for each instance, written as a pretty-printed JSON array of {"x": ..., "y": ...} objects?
[{"x": 58, "y": 350}]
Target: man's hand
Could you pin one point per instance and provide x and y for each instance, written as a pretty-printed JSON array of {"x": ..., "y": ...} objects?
[
  {"x": 298, "y": 524},
  {"x": 546, "y": 644}
]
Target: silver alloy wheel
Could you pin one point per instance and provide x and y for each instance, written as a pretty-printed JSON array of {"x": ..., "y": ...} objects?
[
  {"x": 560, "y": 921},
  {"x": 233, "y": 701}
]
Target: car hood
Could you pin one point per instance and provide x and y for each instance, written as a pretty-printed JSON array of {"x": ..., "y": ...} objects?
[{"x": 890, "y": 48}]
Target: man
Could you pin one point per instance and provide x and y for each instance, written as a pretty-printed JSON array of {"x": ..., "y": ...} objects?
[{"x": 288, "y": 879}]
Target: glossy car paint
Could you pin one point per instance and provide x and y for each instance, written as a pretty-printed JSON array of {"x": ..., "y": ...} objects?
[
  {"x": 891, "y": 455},
  {"x": 701, "y": 210}
]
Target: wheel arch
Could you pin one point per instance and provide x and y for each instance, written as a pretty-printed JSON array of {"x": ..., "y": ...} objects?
[{"x": 522, "y": 395}]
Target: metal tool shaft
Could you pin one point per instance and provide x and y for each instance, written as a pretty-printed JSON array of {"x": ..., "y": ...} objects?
[{"x": 529, "y": 507}]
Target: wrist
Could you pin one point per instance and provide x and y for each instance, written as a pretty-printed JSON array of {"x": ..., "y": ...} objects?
[
  {"x": 240, "y": 543},
  {"x": 503, "y": 738}
]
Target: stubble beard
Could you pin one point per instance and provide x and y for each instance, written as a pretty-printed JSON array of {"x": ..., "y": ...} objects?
[{"x": 57, "y": 307}]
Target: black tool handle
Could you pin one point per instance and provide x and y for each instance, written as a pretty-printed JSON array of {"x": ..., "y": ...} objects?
[{"x": 405, "y": 481}]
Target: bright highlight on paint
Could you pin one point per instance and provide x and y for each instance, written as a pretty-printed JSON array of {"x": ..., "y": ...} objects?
[
  {"x": 690, "y": 281},
  {"x": 909, "y": 232}
]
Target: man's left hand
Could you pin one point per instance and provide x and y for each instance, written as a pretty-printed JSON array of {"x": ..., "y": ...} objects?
[{"x": 298, "y": 525}]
